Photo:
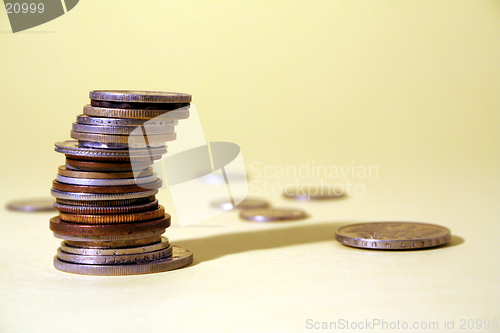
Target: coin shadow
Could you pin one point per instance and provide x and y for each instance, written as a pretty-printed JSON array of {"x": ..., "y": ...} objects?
[{"x": 212, "y": 247}]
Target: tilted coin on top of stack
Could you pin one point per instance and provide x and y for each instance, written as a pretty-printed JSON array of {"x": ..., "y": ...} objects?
[{"x": 109, "y": 219}]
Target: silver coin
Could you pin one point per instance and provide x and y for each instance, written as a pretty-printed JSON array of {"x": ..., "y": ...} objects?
[
  {"x": 92, "y": 196},
  {"x": 107, "y": 182},
  {"x": 31, "y": 205},
  {"x": 247, "y": 203},
  {"x": 180, "y": 257},
  {"x": 109, "y": 238},
  {"x": 143, "y": 114},
  {"x": 113, "y": 259},
  {"x": 272, "y": 214},
  {"x": 72, "y": 147},
  {"x": 87, "y": 120},
  {"x": 310, "y": 192},
  {"x": 115, "y": 251},
  {"x": 123, "y": 130},
  {"x": 140, "y": 96},
  {"x": 102, "y": 145}
]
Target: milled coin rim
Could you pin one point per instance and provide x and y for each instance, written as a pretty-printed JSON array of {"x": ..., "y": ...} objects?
[
  {"x": 164, "y": 243},
  {"x": 140, "y": 96}
]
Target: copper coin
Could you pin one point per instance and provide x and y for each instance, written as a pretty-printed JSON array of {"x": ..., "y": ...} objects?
[
  {"x": 393, "y": 235},
  {"x": 114, "y": 244},
  {"x": 66, "y": 228},
  {"x": 113, "y": 218},
  {"x": 105, "y": 203},
  {"x": 105, "y": 189},
  {"x": 151, "y": 158},
  {"x": 63, "y": 171},
  {"x": 107, "y": 166},
  {"x": 72, "y": 209}
]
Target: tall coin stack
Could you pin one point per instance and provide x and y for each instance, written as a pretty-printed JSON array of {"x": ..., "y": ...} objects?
[{"x": 109, "y": 219}]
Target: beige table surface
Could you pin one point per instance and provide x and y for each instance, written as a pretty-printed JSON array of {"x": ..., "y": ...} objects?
[{"x": 408, "y": 88}]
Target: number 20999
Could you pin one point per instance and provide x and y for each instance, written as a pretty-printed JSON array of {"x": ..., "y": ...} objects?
[{"x": 24, "y": 8}]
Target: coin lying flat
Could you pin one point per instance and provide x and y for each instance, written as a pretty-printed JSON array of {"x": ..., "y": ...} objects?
[
  {"x": 140, "y": 96},
  {"x": 180, "y": 257},
  {"x": 247, "y": 203},
  {"x": 113, "y": 218},
  {"x": 181, "y": 113},
  {"x": 393, "y": 235},
  {"x": 66, "y": 172},
  {"x": 312, "y": 193},
  {"x": 94, "y": 197},
  {"x": 31, "y": 205},
  {"x": 96, "y": 210},
  {"x": 122, "y": 130},
  {"x": 102, "y": 121},
  {"x": 115, "y": 251},
  {"x": 272, "y": 214}
]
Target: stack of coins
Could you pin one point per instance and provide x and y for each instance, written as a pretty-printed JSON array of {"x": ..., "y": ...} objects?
[{"x": 109, "y": 219}]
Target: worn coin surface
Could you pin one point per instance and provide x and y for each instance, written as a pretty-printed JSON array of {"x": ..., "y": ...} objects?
[
  {"x": 163, "y": 244},
  {"x": 181, "y": 113},
  {"x": 113, "y": 218},
  {"x": 313, "y": 192},
  {"x": 180, "y": 257},
  {"x": 393, "y": 235},
  {"x": 272, "y": 214},
  {"x": 93, "y": 244},
  {"x": 152, "y": 140},
  {"x": 247, "y": 203},
  {"x": 31, "y": 205},
  {"x": 140, "y": 96},
  {"x": 75, "y": 209},
  {"x": 96, "y": 197},
  {"x": 123, "y": 130},
  {"x": 110, "y": 238},
  {"x": 84, "y": 119}
]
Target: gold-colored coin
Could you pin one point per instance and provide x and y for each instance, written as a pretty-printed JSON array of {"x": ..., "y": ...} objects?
[
  {"x": 124, "y": 139},
  {"x": 113, "y": 218},
  {"x": 181, "y": 113}
]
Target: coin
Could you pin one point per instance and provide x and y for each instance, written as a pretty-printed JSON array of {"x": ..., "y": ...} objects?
[
  {"x": 311, "y": 192},
  {"x": 105, "y": 189},
  {"x": 180, "y": 257},
  {"x": 272, "y": 214},
  {"x": 94, "y": 197},
  {"x": 72, "y": 148},
  {"x": 247, "y": 203},
  {"x": 106, "y": 182},
  {"x": 113, "y": 218},
  {"x": 181, "y": 113},
  {"x": 158, "y": 139},
  {"x": 84, "y": 119},
  {"x": 109, "y": 238},
  {"x": 393, "y": 235},
  {"x": 106, "y": 203},
  {"x": 107, "y": 166},
  {"x": 65, "y": 172},
  {"x": 138, "y": 96},
  {"x": 31, "y": 205},
  {"x": 73, "y": 209},
  {"x": 113, "y": 259},
  {"x": 75, "y": 229},
  {"x": 115, "y": 251},
  {"x": 123, "y": 130},
  {"x": 115, "y": 244}
]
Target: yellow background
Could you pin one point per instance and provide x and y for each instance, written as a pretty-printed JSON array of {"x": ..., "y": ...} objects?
[{"x": 411, "y": 87}]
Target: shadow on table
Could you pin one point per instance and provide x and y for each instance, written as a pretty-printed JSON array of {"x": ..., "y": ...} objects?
[{"x": 212, "y": 247}]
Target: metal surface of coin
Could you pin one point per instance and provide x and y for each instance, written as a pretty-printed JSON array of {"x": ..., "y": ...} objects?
[
  {"x": 95, "y": 197},
  {"x": 310, "y": 192},
  {"x": 65, "y": 172},
  {"x": 393, "y": 235},
  {"x": 105, "y": 189},
  {"x": 114, "y": 244},
  {"x": 73, "y": 209},
  {"x": 72, "y": 147},
  {"x": 109, "y": 238},
  {"x": 139, "y": 96},
  {"x": 106, "y": 182},
  {"x": 113, "y": 259},
  {"x": 181, "y": 113},
  {"x": 247, "y": 203},
  {"x": 158, "y": 139},
  {"x": 180, "y": 257},
  {"x": 123, "y": 130},
  {"x": 84, "y": 119},
  {"x": 115, "y": 251},
  {"x": 31, "y": 205},
  {"x": 76, "y": 229},
  {"x": 272, "y": 214},
  {"x": 134, "y": 105},
  {"x": 107, "y": 166},
  {"x": 113, "y": 218},
  {"x": 106, "y": 203}
]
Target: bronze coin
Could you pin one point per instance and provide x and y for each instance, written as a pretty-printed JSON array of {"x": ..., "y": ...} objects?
[
  {"x": 72, "y": 209},
  {"x": 135, "y": 105},
  {"x": 106, "y": 189},
  {"x": 114, "y": 244},
  {"x": 105, "y": 203},
  {"x": 63, "y": 171},
  {"x": 147, "y": 158},
  {"x": 108, "y": 166},
  {"x": 113, "y": 218},
  {"x": 67, "y": 228}
]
